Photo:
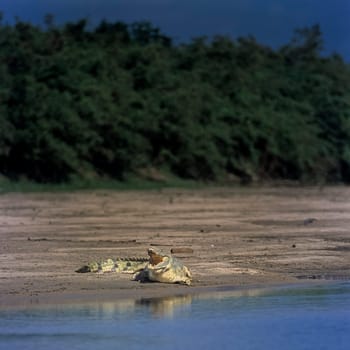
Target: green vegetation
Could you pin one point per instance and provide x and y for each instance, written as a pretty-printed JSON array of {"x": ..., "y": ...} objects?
[{"x": 122, "y": 101}]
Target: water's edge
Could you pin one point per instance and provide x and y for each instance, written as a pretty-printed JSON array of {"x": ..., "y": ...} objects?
[{"x": 138, "y": 295}]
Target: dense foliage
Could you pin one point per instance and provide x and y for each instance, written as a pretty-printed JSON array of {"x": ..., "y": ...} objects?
[{"x": 117, "y": 99}]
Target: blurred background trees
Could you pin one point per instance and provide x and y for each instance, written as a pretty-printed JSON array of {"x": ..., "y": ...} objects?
[{"x": 109, "y": 101}]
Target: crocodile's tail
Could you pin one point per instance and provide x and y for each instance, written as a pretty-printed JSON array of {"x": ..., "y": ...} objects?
[{"x": 122, "y": 265}]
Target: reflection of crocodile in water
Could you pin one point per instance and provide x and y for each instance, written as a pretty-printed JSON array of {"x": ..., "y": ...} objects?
[
  {"x": 165, "y": 306},
  {"x": 159, "y": 267}
]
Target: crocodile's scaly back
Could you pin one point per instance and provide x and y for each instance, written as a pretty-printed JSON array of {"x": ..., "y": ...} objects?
[{"x": 122, "y": 265}]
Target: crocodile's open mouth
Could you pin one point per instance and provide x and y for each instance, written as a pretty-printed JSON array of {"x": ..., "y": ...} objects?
[{"x": 154, "y": 257}]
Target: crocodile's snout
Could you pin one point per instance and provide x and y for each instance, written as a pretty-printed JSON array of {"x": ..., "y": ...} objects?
[{"x": 155, "y": 257}]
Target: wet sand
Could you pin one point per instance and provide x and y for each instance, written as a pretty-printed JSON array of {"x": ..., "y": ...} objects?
[{"x": 241, "y": 237}]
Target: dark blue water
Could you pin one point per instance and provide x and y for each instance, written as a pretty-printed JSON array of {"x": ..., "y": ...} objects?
[{"x": 315, "y": 317}]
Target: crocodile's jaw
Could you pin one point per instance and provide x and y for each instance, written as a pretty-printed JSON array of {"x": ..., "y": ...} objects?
[{"x": 155, "y": 257}]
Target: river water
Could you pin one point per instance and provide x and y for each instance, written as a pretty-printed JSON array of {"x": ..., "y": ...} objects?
[{"x": 304, "y": 317}]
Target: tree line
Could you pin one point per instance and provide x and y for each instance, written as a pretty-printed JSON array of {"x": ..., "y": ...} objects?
[{"x": 114, "y": 100}]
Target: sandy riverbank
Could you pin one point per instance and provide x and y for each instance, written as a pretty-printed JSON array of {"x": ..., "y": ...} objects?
[{"x": 239, "y": 236}]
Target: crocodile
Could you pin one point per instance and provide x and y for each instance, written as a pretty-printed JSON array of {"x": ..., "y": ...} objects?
[{"x": 159, "y": 267}]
